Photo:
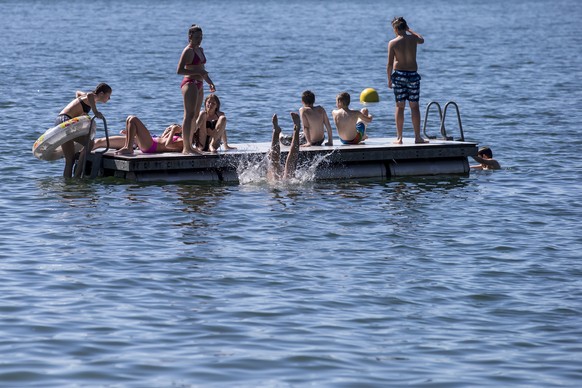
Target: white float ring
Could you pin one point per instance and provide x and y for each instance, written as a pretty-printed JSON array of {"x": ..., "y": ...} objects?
[{"x": 48, "y": 145}]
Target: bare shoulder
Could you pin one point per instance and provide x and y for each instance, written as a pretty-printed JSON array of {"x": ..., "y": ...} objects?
[
  {"x": 394, "y": 41},
  {"x": 188, "y": 53}
]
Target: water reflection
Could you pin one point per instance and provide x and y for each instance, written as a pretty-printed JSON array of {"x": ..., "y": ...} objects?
[
  {"x": 197, "y": 198},
  {"x": 196, "y": 210}
]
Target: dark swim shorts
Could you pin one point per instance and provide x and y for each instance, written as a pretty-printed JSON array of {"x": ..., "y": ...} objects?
[{"x": 406, "y": 85}]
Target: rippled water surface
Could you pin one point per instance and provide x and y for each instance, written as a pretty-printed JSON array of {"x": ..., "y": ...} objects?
[{"x": 440, "y": 281}]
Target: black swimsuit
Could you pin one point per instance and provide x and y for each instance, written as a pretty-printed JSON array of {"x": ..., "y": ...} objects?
[
  {"x": 86, "y": 108},
  {"x": 212, "y": 125},
  {"x": 65, "y": 117},
  {"x": 62, "y": 118}
]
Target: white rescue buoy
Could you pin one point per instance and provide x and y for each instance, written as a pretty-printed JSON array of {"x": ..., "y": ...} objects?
[{"x": 48, "y": 145}]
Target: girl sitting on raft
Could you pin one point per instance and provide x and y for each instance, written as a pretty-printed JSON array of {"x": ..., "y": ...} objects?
[{"x": 211, "y": 126}]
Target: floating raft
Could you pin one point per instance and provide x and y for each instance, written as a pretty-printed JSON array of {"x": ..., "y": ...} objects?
[{"x": 376, "y": 158}]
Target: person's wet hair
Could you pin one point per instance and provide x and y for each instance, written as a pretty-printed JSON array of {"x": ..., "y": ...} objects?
[
  {"x": 102, "y": 88},
  {"x": 485, "y": 151},
  {"x": 399, "y": 24},
  {"x": 345, "y": 98},
  {"x": 308, "y": 97}
]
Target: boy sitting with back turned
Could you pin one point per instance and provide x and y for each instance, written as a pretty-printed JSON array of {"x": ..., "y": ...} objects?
[
  {"x": 314, "y": 119},
  {"x": 350, "y": 124}
]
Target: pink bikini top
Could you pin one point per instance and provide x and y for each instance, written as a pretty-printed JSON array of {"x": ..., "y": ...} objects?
[{"x": 197, "y": 60}]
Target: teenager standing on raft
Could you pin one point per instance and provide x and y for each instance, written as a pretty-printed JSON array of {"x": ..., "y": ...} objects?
[
  {"x": 403, "y": 77},
  {"x": 191, "y": 66}
]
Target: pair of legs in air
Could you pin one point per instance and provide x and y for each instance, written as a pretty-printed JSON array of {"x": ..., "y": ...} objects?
[{"x": 276, "y": 171}]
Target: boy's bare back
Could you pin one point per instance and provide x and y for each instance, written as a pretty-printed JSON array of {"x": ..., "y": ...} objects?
[
  {"x": 315, "y": 121},
  {"x": 403, "y": 50},
  {"x": 345, "y": 121}
]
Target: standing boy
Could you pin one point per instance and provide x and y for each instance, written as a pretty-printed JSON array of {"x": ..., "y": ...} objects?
[
  {"x": 350, "y": 124},
  {"x": 403, "y": 77}
]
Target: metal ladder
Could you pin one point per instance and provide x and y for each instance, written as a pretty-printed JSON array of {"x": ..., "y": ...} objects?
[
  {"x": 442, "y": 117},
  {"x": 96, "y": 158}
]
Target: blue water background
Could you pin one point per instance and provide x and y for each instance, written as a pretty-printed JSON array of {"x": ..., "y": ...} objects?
[{"x": 437, "y": 282}]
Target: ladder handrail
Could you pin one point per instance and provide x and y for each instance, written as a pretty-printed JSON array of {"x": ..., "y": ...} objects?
[
  {"x": 443, "y": 130},
  {"x": 90, "y": 142},
  {"x": 426, "y": 117}
]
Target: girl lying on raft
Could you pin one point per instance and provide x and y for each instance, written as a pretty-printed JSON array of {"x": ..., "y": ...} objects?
[{"x": 136, "y": 131}]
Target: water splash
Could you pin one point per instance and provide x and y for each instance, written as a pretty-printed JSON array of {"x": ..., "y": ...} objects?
[{"x": 253, "y": 170}]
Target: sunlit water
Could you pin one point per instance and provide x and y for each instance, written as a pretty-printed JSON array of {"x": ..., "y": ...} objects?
[{"x": 442, "y": 281}]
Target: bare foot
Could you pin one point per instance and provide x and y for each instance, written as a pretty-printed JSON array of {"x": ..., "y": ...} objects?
[
  {"x": 227, "y": 147},
  {"x": 397, "y": 141},
  {"x": 124, "y": 151},
  {"x": 192, "y": 151},
  {"x": 296, "y": 120},
  {"x": 276, "y": 127},
  {"x": 420, "y": 141},
  {"x": 364, "y": 138}
]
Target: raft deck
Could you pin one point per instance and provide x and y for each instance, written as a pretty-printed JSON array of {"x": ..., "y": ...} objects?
[{"x": 376, "y": 158}]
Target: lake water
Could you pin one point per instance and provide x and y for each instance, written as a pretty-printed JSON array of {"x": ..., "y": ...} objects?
[{"x": 436, "y": 282}]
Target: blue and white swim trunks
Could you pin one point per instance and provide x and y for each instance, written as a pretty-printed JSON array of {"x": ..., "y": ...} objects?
[{"x": 406, "y": 85}]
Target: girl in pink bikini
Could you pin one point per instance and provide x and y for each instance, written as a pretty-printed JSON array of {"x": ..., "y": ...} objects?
[
  {"x": 191, "y": 66},
  {"x": 135, "y": 130}
]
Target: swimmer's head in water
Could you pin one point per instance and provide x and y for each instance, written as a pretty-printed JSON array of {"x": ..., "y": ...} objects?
[{"x": 485, "y": 151}]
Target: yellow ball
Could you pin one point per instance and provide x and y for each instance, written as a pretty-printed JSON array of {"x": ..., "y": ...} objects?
[{"x": 369, "y": 95}]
